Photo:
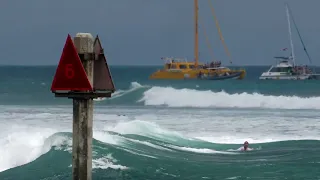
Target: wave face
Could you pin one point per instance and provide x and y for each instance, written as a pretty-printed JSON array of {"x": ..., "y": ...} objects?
[{"x": 124, "y": 156}]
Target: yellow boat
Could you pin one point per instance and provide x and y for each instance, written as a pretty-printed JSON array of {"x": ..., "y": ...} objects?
[{"x": 181, "y": 68}]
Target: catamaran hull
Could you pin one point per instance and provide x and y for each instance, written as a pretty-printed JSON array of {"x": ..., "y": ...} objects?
[
  {"x": 315, "y": 76},
  {"x": 300, "y": 77},
  {"x": 194, "y": 74},
  {"x": 236, "y": 75}
]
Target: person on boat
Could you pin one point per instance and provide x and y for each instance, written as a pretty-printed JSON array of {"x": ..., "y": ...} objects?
[
  {"x": 219, "y": 64},
  {"x": 308, "y": 70}
]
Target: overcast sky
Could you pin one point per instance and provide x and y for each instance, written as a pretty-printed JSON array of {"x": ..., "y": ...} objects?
[{"x": 141, "y": 31}]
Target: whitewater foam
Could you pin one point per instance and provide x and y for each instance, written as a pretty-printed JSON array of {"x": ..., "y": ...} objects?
[
  {"x": 23, "y": 145},
  {"x": 30, "y": 129},
  {"x": 106, "y": 162},
  {"x": 157, "y": 96}
]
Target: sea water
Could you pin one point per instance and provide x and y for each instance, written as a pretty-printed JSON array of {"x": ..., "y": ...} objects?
[{"x": 161, "y": 129}]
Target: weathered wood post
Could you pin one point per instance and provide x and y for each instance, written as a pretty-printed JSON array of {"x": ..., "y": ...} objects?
[
  {"x": 82, "y": 75},
  {"x": 83, "y": 114}
]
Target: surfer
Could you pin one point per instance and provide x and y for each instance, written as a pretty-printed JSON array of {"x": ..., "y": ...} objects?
[{"x": 245, "y": 147}]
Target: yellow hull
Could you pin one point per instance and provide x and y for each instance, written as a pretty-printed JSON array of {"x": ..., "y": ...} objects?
[{"x": 189, "y": 73}]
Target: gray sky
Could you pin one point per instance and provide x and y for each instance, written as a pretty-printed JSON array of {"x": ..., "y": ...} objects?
[{"x": 141, "y": 31}]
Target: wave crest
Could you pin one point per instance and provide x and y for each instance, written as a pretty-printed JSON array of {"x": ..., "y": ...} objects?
[{"x": 168, "y": 96}]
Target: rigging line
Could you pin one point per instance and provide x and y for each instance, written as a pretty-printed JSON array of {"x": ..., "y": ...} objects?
[
  {"x": 207, "y": 39},
  {"x": 295, "y": 25},
  {"x": 219, "y": 31}
]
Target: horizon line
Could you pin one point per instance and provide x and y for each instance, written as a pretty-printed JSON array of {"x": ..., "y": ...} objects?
[{"x": 132, "y": 65}]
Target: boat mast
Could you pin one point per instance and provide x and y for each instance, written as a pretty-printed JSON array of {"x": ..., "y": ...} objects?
[
  {"x": 290, "y": 34},
  {"x": 196, "y": 36}
]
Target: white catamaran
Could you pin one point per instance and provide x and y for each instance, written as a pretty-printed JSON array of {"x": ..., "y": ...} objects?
[{"x": 286, "y": 68}]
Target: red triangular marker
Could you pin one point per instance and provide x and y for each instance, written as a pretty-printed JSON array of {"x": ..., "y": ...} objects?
[{"x": 70, "y": 74}]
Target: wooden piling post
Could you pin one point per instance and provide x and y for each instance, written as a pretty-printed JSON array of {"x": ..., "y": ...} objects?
[
  {"x": 83, "y": 114},
  {"x": 82, "y": 75},
  {"x": 82, "y": 139}
]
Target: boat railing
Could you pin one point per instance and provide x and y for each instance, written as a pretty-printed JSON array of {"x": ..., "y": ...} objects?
[{"x": 173, "y": 59}]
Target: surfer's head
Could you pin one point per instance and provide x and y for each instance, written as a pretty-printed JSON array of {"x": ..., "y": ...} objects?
[{"x": 245, "y": 145}]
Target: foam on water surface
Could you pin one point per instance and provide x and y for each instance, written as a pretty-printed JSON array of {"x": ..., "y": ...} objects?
[
  {"x": 30, "y": 129},
  {"x": 206, "y": 98}
]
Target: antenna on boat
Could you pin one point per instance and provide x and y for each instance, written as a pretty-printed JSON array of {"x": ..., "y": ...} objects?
[{"x": 290, "y": 34}]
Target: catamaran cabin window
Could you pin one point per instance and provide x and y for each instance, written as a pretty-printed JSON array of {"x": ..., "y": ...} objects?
[
  {"x": 281, "y": 69},
  {"x": 191, "y": 66},
  {"x": 182, "y": 66}
]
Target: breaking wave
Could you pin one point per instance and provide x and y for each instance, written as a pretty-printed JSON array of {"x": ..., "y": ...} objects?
[{"x": 139, "y": 94}]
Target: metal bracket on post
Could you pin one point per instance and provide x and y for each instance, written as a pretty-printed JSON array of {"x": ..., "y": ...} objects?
[{"x": 82, "y": 75}]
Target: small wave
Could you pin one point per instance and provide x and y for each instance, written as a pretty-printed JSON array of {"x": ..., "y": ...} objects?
[
  {"x": 200, "y": 150},
  {"x": 119, "y": 93},
  {"x": 258, "y": 140},
  {"x": 149, "y": 144},
  {"x": 145, "y": 128},
  {"x": 139, "y": 154}
]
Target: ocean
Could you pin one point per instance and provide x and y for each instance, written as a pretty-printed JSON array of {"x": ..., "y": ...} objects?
[{"x": 161, "y": 129}]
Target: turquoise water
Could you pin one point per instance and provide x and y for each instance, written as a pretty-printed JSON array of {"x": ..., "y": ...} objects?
[{"x": 160, "y": 129}]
